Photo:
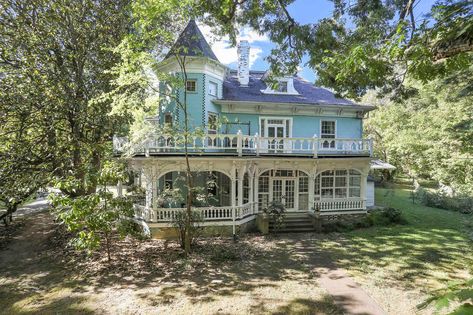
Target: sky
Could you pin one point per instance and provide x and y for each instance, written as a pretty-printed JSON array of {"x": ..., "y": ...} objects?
[{"x": 303, "y": 11}]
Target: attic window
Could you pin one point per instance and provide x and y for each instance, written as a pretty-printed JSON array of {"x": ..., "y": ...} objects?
[{"x": 284, "y": 86}]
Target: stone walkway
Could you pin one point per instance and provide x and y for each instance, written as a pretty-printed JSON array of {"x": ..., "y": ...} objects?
[{"x": 347, "y": 293}]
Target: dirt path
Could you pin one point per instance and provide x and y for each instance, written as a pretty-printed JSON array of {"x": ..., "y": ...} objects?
[
  {"x": 28, "y": 242},
  {"x": 347, "y": 293}
]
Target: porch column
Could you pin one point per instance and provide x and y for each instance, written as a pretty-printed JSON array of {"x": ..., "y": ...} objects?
[
  {"x": 255, "y": 186},
  {"x": 363, "y": 184},
  {"x": 149, "y": 193},
  {"x": 233, "y": 197},
  {"x": 311, "y": 191},
  {"x": 251, "y": 182},
  {"x": 241, "y": 175}
]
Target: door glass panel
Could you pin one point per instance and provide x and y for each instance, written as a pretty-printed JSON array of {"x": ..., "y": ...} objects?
[
  {"x": 289, "y": 193},
  {"x": 270, "y": 131},
  {"x": 280, "y": 132},
  {"x": 303, "y": 201},
  {"x": 277, "y": 190}
]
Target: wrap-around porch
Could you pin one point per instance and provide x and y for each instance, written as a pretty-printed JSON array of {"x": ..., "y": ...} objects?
[{"x": 234, "y": 192}]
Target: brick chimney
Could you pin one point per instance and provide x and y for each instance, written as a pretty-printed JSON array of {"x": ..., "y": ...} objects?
[{"x": 243, "y": 62}]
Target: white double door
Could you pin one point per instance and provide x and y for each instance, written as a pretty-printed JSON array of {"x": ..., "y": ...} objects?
[
  {"x": 276, "y": 131},
  {"x": 283, "y": 190}
]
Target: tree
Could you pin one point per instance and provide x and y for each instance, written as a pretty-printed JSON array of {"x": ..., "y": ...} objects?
[
  {"x": 429, "y": 135},
  {"x": 95, "y": 217},
  {"x": 364, "y": 45},
  {"x": 55, "y": 58}
]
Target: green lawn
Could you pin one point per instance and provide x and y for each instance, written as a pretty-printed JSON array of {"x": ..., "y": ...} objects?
[{"x": 401, "y": 265}]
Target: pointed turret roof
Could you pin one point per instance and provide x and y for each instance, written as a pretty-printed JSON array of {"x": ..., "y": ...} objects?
[{"x": 192, "y": 42}]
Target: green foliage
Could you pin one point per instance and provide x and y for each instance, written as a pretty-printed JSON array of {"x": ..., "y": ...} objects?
[
  {"x": 438, "y": 199},
  {"x": 276, "y": 211},
  {"x": 458, "y": 291},
  {"x": 97, "y": 216},
  {"x": 364, "y": 45},
  {"x": 386, "y": 216},
  {"x": 429, "y": 135},
  {"x": 55, "y": 60},
  {"x": 378, "y": 217}
]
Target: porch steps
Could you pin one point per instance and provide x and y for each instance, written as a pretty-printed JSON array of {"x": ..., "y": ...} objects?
[{"x": 293, "y": 223}]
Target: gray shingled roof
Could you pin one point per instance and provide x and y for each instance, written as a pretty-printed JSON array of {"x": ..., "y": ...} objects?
[
  {"x": 191, "y": 42},
  {"x": 308, "y": 93}
]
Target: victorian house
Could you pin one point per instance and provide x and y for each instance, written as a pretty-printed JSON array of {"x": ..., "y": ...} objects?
[{"x": 260, "y": 141}]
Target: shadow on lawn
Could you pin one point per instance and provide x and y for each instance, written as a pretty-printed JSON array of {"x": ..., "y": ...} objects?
[
  {"x": 412, "y": 254},
  {"x": 39, "y": 267},
  {"x": 259, "y": 263}
]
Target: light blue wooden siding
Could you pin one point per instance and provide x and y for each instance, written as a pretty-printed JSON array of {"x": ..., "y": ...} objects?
[
  {"x": 199, "y": 103},
  {"x": 302, "y": 126},
  {"x": 196, "y": 103},
  {"x": 209, "y": 105}
]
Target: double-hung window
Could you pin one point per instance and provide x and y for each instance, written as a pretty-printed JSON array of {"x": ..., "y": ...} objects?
[
  {"x": 213, "y": 89},
  {"x": 327, "y": 132},
  {"x": 191, "y": 86}
]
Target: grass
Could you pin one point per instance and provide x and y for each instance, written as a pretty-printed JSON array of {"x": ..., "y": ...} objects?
[{"x": 401, "y": 265}]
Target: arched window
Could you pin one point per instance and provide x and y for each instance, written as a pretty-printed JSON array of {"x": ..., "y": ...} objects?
[{"x": 334, "y": 184}]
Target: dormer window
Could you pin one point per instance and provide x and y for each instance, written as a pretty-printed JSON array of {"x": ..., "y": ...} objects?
[{"x": 284, "y": 85}]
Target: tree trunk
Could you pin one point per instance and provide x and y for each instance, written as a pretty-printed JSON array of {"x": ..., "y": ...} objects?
[
  {"x": 107, "y": 243},
  {"x": 7, "y": 217}
]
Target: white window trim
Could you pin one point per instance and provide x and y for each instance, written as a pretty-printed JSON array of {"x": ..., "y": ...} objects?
[
  {"x": 216, "y": 88},
  {"x": 275, "y": 117},
  {"x": 320, "y": 127},
  {"x": 208, "y": 121},
  {"x": 196, "y": 86},
  {"x": 333, "y": 187}
]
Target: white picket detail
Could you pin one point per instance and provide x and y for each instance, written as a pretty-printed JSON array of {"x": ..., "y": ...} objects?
[{"x": 340, "y": 204}]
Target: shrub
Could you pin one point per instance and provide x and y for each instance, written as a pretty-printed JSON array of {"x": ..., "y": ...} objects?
[
  {"x": 276, "y": 211},
  {"x": 179, "y": 222},
  {"x": 386, "y": 216},
  {"x": 440, "y": 200}
]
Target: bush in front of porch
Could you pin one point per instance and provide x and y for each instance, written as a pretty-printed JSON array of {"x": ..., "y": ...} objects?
[{"x": 376, "y": 217}]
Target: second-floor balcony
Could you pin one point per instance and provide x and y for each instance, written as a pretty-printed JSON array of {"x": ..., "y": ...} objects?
[{"x": 244, "y": 145}]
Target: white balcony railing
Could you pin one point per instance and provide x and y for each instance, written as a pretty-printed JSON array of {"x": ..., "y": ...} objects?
[
  {"x": 168, "y": 215},
  {"x": 242, "y": 145}
]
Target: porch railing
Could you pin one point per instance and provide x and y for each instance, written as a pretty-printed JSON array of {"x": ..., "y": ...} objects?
[
  {"x": 243, "y": 144},
  {"x": 338, "y": 205},
  {"x": 167, "y": 215}
]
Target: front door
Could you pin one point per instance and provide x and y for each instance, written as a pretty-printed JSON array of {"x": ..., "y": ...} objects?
[{"x": 283, "y": 190}]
